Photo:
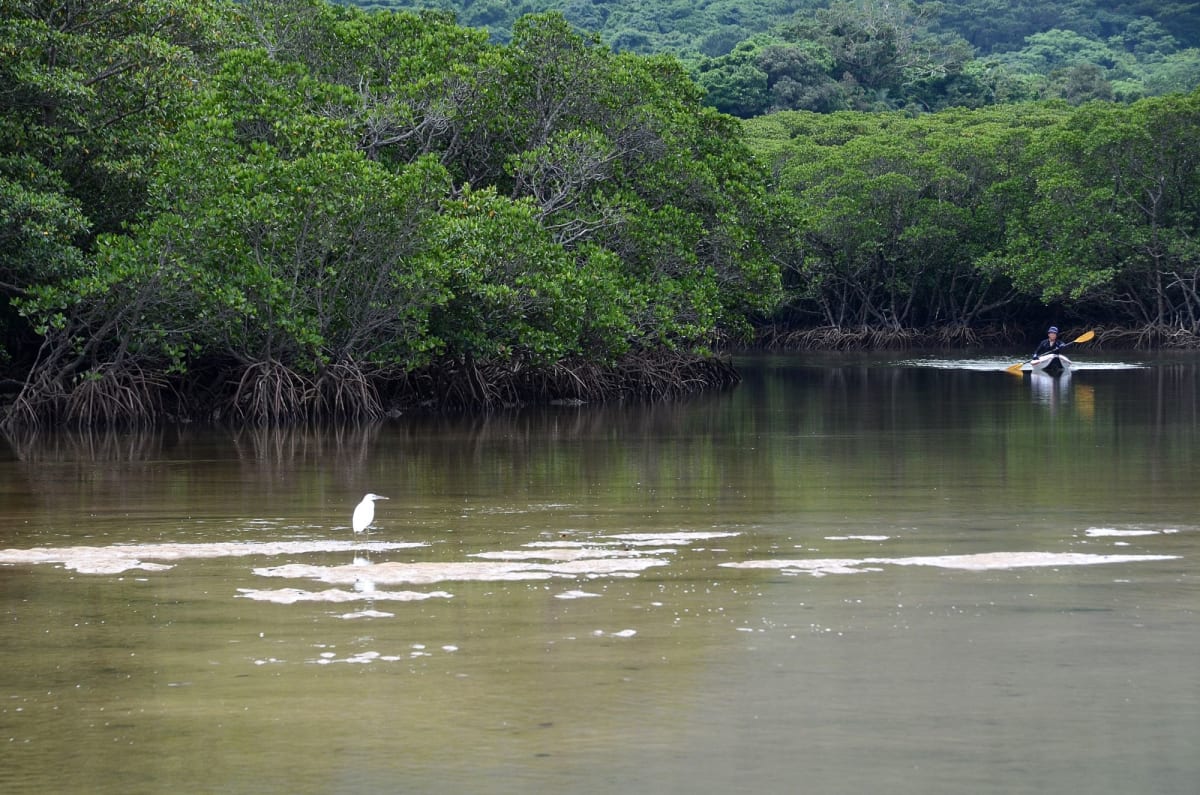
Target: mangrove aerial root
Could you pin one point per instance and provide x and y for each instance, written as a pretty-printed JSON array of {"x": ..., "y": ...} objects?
[
  {"x": 344, "y": 391},
  {"x": 270, "y": 392},
  {"x": 656, "y": 375},
  {"x": 115, "y": 394}
]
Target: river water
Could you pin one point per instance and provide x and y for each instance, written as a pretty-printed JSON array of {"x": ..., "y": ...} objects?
[{"x": 912, "y": 574}]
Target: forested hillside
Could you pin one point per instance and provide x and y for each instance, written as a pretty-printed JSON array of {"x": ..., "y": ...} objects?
[
  {"x": 758, "y": 56},
  {"x": 292, "y": 210}
]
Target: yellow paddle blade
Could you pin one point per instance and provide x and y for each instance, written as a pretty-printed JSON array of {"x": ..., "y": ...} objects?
[
  {"x": 1085, "y": 336},
  {"x": 1014, "y": 368}
]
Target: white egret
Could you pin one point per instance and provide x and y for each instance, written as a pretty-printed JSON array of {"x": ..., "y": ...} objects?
[{"x": 364, "y": 512}]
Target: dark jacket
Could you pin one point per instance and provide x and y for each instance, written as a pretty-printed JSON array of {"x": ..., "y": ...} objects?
[{"x": 1046, "y": 346}]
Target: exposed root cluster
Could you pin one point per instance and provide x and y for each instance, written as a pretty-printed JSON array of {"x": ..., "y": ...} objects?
[
  {"x": 272, "y": 393},
  {"x": 110, "y": 394},
  {"x": 114, "y": 395},
  {"x": 834, "y": 338},
  {"x": 483, "y": 385},
  {"x": 346, "y": 392},
  {"x": 1149, "y": 337}
]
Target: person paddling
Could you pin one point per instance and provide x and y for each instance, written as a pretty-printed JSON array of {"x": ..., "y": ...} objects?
[{"x": 1048, "y": 345}]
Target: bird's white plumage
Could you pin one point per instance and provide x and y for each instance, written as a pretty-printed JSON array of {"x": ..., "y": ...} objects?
[{"x": 364, "y": 512}]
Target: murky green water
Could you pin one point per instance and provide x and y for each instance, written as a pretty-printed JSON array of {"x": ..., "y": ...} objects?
[{"x": 844, "y": 576}]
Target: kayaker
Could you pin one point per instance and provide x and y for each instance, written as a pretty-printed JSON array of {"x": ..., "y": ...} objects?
[{"x": 1048, "y": 345}]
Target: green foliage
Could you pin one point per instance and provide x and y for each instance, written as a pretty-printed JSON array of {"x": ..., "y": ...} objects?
[
  {"x": 91, "y": 89},
  {"x": 873, "y": 56},
  {"x": 960, "y": 215},
  {"x": 89, "y": 93},
  {"x": 736, "y": 83},
  {"x": 39, "y": 225},
  {"x": 342, "y": 196},
  {"x": 879, "y": 55},
  {"x": 928, "y": 198},
  {"x": 509, "y": 285},
  {"x": 1114, "y": 215},
  {"x": 616, "y": 151}
]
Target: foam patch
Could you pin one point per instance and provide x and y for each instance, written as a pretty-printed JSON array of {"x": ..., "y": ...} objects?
[
  {"x": 394, "y": 573},
  {"x": 117, "y": 558},
  {"x": 984, "y": 561}
]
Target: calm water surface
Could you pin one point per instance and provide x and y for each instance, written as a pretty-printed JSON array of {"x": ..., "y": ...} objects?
[{"x": 909, "y": 575}]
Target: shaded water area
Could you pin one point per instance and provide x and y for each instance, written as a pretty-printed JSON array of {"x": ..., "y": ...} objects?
[{"x": 849, "y": 574}]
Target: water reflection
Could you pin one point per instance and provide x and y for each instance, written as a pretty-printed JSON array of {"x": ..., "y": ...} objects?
[{"x": 1050, "y": 389}]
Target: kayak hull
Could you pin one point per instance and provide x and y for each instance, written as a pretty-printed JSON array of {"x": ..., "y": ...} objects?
[{"x": 1051, "y": 364}]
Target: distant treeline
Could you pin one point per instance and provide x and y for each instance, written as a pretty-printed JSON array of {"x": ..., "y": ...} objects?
[
  {"x": 965, "y": 220},
  {"x": 290, "y": 210},
  {"x": 759, "y": 56}
]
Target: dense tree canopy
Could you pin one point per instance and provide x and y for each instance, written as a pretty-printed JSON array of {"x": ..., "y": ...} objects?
[
  {"x": 758, "y": 56},
  {"x": 299, "y": 202},
  {"x": 965, "y": 217}
]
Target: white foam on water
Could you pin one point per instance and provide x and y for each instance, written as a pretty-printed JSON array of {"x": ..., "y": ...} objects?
[
  {"x": 367, "y": 657},
  {"x": 394, "y": 573},
  {"x": 367, "y": 614},
  {"x": 988, "y": 561},
  {"x": 289, "y": 596},
  {"x": 117, "y": 558},
  {"x": 672, "y": 539},
  {"x": 826, "y": 567},
  {"x": 575, "y": 595},
  {"x": 508, "y": 510},
  {"x": 624, "y": 633},
  {"x": 362, "y": 658},
  {"x": 983, "y": 365},
  {"x": 1112, "y": 532},
  {"x": 985, "y": 561},
  {"x": 564, "y": 554},
  {"x": 857, "y": 538}
]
